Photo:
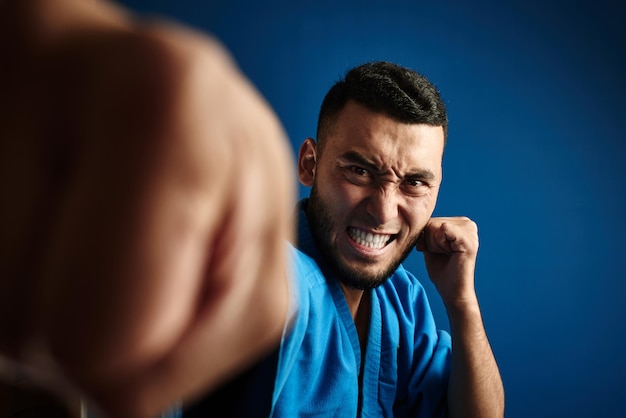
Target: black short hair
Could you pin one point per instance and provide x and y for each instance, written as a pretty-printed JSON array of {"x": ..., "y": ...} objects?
[{"x": 388, "y": 88}]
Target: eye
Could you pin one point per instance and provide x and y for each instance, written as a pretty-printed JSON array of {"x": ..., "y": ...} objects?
[
  {"x": 414, "y": 187},
  {"x": 357, "y": 175},
  {"x": 414, "y": 183},
  {"x": 359, "y": 171}
]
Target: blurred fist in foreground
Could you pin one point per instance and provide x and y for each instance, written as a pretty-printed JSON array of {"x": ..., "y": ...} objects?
[{"x": 147, "y": 197}]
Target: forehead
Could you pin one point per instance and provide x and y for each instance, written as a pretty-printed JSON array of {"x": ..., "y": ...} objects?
[{"x": 387, "y": 143}]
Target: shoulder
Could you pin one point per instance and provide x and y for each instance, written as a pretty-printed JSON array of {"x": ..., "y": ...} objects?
[
  {"x": 404, "y": 282},
  {"x": 404, "y": 294},
  {"x": 306, "y": 271}
]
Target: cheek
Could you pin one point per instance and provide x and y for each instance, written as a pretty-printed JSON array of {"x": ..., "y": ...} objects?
[
  {"x": 355, "y": 201},
  {"x": 419, "y": 211},
  {"x": 429, "y": 200},
  {"x": 343, "y": 196}
]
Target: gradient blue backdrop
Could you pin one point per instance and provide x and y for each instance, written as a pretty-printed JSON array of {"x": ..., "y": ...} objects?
[{"x": 535, "y": 92}]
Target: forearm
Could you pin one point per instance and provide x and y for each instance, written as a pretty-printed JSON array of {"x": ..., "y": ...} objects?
[{"x": 475, "y": 388}]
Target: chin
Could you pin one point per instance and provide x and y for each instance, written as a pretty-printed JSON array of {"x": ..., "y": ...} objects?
[{"x": 363, "y": 278}]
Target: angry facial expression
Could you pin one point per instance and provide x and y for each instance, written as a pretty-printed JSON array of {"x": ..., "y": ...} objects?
[{"x": 374, "y": 188}]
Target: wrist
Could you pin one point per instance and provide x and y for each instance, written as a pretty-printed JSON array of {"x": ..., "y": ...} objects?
[{"x": 462, "y": 306}]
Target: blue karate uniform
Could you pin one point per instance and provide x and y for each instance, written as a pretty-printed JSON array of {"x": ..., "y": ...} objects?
[{"x": 406, "y": 363}]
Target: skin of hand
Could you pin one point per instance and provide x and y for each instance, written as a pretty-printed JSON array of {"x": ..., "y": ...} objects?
[
  {"x": 450, "y": 248},
  {"x": 142, "y": 252}
]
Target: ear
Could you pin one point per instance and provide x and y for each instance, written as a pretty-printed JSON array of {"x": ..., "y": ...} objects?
[{"x": 307, "y": 162}]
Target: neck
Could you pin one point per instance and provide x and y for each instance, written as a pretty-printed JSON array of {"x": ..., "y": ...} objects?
[
  {"x": 359, "y": 303},
  {"x": 353, "y": 298}
]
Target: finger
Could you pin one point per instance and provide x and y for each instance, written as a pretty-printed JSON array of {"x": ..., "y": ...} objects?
[
  {"x": 434, "y": 239},
  {"x": 441, "y": 239},
  {"x": 448, "y": 235},
  {"x": 460, "y": 234}
]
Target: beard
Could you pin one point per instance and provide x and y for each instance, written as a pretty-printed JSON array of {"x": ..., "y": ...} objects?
[{"x": 322, "y": 226}]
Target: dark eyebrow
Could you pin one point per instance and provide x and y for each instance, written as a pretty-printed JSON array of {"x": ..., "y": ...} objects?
[
  {"x": 357, "y": 158},
  {"x": 421, "y": 175}
]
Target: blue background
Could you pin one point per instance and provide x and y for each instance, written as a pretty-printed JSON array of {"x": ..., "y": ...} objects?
[{"x": 535, "y": 93}]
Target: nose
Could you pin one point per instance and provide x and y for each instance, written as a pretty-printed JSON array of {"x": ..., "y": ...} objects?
[{"x": 382, "y": 205}]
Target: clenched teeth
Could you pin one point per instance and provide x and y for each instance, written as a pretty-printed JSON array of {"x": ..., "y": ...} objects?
[{"x": 367, "y": 239}]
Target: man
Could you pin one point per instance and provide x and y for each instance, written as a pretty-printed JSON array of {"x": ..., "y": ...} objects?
[
  {"x": 362, "y": 340},
  {"x": 146, "y": 202}
]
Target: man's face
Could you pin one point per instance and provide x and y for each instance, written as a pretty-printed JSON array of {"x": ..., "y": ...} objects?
[{"x": 374, "y": 188}]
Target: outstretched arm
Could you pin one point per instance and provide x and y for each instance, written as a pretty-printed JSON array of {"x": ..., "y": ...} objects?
[
  {"x": 450, "y": 247},
  {"x": 142, "y": 253}
]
